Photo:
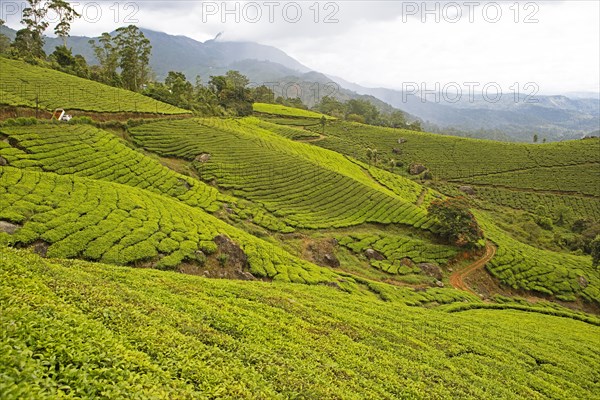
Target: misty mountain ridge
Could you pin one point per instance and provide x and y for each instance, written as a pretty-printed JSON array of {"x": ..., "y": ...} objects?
[{"x": 555, "y": 117}]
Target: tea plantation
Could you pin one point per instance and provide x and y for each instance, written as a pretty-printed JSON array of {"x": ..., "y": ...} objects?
[
  {"x": 77, "y": 329},
  {"x": 26, "y": 85},
  {"x": 303, "y": 185},
  {"x": 91, "y": 219},
  {"x": 335, "y": 278}
]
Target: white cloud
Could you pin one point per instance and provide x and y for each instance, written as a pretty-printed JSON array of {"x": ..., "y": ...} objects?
[{"x": 385, "y": 43}]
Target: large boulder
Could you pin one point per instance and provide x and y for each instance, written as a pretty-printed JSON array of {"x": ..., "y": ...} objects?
[
  {"x": 431, "y": 270},
  {"x": 374, "y": 255},
  {"x": 467, "y": 189},
  {"x": 321, "y": 252},
  {"x": 235, "y": 256},
  {"x": 416, "y": 169},
  {"x": 202, "y": 158},
  {"x": 3, "y": 161},
  {"x": 8, "y": 227}
]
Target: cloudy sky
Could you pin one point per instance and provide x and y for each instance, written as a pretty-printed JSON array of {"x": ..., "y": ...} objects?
[{"x": 554, "y": 44}]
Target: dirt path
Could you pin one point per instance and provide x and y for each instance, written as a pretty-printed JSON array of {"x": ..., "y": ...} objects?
[
  {"x": 421, "y": 197},
  {"x": 457, "y": 279}
]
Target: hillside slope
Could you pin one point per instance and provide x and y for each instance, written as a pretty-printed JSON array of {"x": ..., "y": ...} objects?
[
  {"x": 26, "y": 85},
  {"x": 175, "y": 336}
]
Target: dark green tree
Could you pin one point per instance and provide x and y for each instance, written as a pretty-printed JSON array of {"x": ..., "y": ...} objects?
[
  {"x": 108, "y": 57},
  {"x": 134, "y": 51},
  {"x": 75, "y": 65},
  {"x": 456, "y": 223},
  {"x": 232, "y": 92},
  {"x": 66, "y": 16},
  {"x": 363, "y": 108},
  {"x": 4, "y": 40},
  {"x": 26, "y": 46},
  {"x": 595, "y": 250},
  {"x": 263, "y": 94},
  {"x": 181, "y": 91},
  {"x": 31, "y": 44}
]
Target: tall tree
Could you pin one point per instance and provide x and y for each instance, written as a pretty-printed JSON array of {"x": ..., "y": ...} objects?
[
  {"x": 134, "y": 51},
  {"x": 66, "y": 16},
  {"x": 4, "y": 40},
  {"x": 34, "y": 20},
  {"x": 180, "y": 90},
  {"x": 108, "y": 57}
]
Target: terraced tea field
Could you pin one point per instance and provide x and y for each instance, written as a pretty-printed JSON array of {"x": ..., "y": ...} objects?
[
  {"x": 303, "y": 185},
  {"x": 400, "y": 253},
  {"x": 455, "y": 158},
  {"x": 83, "y": 150},
  {"x": 175, "y": 336},
  {"x": 515, "y": 175},
  {"x": 522, "y": 266},
  {"x": 22, "y": 84},
  {"x": 96, "y": 220},
  {"x": 581, "y": 207},
  {"x": 279, "y": 110}
]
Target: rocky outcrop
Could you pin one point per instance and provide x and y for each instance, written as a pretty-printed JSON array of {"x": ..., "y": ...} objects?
[
  {"x": 202, "y": 158},
  {"x": 416, "y": 169},
  {"x": 467, "y": 189},
  {"x": 8, "y": 227},
  {"x": 374, "y": 255},
  {"x": 431, "y": 270}
]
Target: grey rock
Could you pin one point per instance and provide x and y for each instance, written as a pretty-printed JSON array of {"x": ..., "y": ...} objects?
[
  {"x": 431, "y": 270},
  {"x": 416, "y": 169},
  {"x": 9, "y": 227},
  {"x": 374, "y": 255},
  {"x": 467, "y": 189},
  {"x": 204, "y": 157}
]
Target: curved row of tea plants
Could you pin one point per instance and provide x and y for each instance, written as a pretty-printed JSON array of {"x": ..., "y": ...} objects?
[
  {"x": 22, "y": 84},
  {"x": 522, "y": 266},
  {"x": 573, "y": 179},
  {"x": 456, "y": 158},
  {"x": 83, "y": 150},
  {"x": 581, "y": 207},
  {"x": 304, "y": 185},
  {"x": 85, "y": 330},
  {"x": 96, "y": 220},
  {"x": 289, "y": 132},
  {"x": 400, "y": 252},
  {"x": 278, "y": 109}
]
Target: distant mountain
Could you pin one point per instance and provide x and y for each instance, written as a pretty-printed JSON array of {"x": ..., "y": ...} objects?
[{"x": 555, "y": 117}]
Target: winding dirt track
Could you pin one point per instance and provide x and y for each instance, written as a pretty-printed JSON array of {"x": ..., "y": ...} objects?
[{"x": 457, "y": 279}]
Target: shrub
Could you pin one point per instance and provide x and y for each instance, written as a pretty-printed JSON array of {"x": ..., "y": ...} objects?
[{"x": 456, "y": 223}]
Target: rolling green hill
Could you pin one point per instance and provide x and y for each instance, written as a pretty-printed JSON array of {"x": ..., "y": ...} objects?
[
  {"x": 77, "y": 329},
  {"x": 279, "y": 110},
  {"x": 25, "y": 85},
  {"x": 303, "y": 185},
  {"x": 511, "y": 174},
  {"x": 83, "y": 218}
]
